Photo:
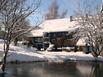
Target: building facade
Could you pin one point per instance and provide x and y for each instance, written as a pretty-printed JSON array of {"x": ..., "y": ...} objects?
[{"x": 58, "y": 32}]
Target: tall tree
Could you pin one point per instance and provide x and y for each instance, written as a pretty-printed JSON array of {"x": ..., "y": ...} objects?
[
  {"x": 13, "y": 24},
  {"x": 53, "y": 12},
  {"x": 25, "y": 26},
  {"x": 91, "y": 21}
]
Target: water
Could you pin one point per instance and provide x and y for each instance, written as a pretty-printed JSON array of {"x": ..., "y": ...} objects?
[{"x": 44, "y": 69}]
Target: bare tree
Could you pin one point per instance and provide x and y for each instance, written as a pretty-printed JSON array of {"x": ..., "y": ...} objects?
[
  {"x": 53, "y": 12},
  {"x": 12, "y": 17},
  {"x": 25, "y": 25},
  {"x": 91, "y": 21}
]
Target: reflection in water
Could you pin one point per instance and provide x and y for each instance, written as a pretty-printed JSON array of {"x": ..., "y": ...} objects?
[
  {"x": 43, "y": 69},
  {"x": 98, "y": 70}
]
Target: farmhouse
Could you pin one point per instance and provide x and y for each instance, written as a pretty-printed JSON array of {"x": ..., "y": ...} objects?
[{"x": 58, "y": 32}]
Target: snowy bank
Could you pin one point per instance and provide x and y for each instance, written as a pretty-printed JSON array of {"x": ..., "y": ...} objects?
[
  {"x": 24, "y": 57},
  {"x": 21, "y": 54},
  {"x": 24, "y": 54},
  {"x": 72, "y": 56}
]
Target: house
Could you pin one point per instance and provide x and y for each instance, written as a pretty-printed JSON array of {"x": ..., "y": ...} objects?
[
  {"x": 57, "y": 31},
  {"x": 35, "y": 38}
]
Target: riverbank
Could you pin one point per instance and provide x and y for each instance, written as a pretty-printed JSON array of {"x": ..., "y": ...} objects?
[
  {"x": 69, "y": 56},
  {"x": 24, "y": 54},
  {"x": 57, "y": 57}
]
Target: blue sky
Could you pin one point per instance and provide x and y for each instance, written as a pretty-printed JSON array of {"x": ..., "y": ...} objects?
[{"x": 70, "y": 5}]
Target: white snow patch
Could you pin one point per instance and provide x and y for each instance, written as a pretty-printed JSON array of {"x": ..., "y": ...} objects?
[
  {"x": 21, "y": 54},
  {"x": 58, "y": 25},
  {"x": 36, "y": 33},
  {"x": 64, "y": 56}
]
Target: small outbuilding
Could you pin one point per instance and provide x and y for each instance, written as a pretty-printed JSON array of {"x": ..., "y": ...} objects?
[{"x": 82, "y": 45}]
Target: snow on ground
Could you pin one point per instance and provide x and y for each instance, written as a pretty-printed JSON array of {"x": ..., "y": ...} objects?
[
  {"x": 24, "y": 54},
  {"x": 21, "y": 54},
  {"x": 65, "y": 56}
]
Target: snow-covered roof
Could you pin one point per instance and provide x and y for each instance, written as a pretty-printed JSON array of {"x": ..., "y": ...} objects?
[
  {"x": 58, "y": 25},
  {"x": 81, "y": 42},
  {"x": 36, "y": 33},
  {"x": 55, "y": 25}
]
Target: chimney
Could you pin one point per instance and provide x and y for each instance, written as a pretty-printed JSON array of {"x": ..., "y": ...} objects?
[
  {"x": 86, "y": 17},
  {"x": 71, "y": 18}
]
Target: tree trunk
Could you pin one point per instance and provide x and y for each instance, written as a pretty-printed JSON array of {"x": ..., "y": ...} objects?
[
  {"x": 5, "y": 58},
  {"x": 94, "y": 54},
  {"x": 75, "y": 48},
  {"x": 15, "y": 41}
]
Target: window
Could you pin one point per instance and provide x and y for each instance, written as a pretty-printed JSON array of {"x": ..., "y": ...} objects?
[{"x": 37, "y": 40}]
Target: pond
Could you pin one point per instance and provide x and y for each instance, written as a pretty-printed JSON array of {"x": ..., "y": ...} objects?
[{"x": 44, "y": 69}]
